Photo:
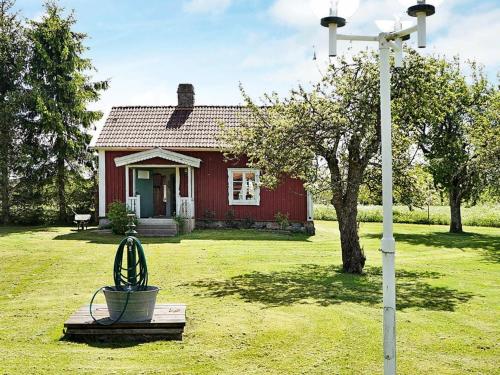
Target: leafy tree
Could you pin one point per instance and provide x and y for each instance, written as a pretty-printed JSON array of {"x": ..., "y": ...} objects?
[
  {"x": 83, "y": 188},
  {"x": 61, "y": 90},
  {"x": 485, "y": 136},
  {"x": 459, "y": 134},
  {"x": 336, "y": 125},
  {"x": 410, "y": 178},
  {"x": 13, "y": 64}
]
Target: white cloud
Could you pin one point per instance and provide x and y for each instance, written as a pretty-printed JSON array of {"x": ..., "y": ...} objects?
[
  {"x": 278, "y": 58},
  {"x": 477, "y": 38},
  {"x": 206, "y": 6},
  {"x": 297, "y": 13}
]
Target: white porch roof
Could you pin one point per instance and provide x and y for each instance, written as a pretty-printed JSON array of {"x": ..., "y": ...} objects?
[{"x": 158, "y": 153}]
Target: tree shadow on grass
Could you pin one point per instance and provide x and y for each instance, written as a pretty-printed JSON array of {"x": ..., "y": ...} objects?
[
  {"x": 117, "y": 342},
  {"x": 9, "y": 230},
  {"x": 98, "y": 342},
  {"x": 488, "y": 244},
  {"x": 328, "y": 285},
  {"x": 101, "y": 237}
]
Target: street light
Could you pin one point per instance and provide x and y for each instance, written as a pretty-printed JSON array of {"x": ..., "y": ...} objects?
[
  {"x": 389, "y": 39},
  {"x": 337, "y": 12},
  {"x": 395, "y": 25}
]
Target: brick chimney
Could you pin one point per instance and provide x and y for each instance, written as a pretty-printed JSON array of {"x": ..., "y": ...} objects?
[{"x": 185, "y": 95}]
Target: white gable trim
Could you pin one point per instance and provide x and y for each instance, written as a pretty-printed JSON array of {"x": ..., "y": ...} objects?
[{"x": 157, "y": 153}]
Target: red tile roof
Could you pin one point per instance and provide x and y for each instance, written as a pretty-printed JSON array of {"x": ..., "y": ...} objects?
[{"x": 168, "y": 126}]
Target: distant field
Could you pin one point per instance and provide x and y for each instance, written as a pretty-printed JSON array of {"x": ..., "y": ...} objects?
[{"x": 477, "y": 216}]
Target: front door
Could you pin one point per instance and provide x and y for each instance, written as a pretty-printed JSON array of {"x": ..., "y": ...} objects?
[{"x": 159, "y": 186}]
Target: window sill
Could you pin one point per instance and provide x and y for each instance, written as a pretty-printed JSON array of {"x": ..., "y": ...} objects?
[{"x": 246, "y": 203}]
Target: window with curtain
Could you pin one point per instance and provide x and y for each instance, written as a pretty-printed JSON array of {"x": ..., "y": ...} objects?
[{"x": 243, "y": 186}]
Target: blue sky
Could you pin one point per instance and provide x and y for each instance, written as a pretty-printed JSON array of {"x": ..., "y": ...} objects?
[{"x": 147, "y": 47}]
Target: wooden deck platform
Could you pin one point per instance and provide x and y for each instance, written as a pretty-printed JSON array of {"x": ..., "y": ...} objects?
[{"x": 167, "y": 324}]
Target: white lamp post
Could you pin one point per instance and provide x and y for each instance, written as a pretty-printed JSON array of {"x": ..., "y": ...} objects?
[{"x": 389, "y": 40}]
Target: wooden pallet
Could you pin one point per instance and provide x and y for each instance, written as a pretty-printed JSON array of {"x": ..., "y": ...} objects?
[{"x": 168, "y": 323}]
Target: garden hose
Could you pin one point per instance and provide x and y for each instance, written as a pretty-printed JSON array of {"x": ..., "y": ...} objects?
[
  {"x": 112, "y": 321},
  {"x": 132, "y": 279},
  {"x": 136, "y": 278}
]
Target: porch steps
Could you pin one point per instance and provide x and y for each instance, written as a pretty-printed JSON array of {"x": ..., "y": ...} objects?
[{"x": 157, "y": 228}]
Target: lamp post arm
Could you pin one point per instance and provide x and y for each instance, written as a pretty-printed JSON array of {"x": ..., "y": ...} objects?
[
  {"x": 362, "y": 38},
  {"x": 402, "y": 33},
  {"x": 394, "y": 46}
]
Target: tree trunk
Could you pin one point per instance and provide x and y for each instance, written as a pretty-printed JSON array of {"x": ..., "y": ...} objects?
[
  {"x": 61, "y": 195},
  {"x": 353, "y": 258},
  {"x": 5, "y": 150},
  {"x": 456, "y": 215},
  {"x": 5, "y": 191},
  {"x": 345, "y": 201}
]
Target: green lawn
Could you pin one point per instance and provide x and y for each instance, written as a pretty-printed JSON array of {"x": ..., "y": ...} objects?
[{"x": 259, "y": 303}]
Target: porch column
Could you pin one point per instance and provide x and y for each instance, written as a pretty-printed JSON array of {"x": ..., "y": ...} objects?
[
  {"x": 191, "y": 190},
  {"x": 134, "y": 178},
  {"x": 177, "y": 190},
  {"x": 127, "y": 192}
]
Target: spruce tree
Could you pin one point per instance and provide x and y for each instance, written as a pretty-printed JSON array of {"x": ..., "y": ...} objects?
[
  {"x": 13, "y": 56},
  {"x": 62, "y": 89}
]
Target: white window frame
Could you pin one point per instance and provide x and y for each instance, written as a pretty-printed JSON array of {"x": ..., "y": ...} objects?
[
  {"x": 143, "y": 174},
  {"x": 253, "y": 202}
]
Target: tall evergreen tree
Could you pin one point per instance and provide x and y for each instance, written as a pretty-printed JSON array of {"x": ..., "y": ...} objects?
[
  {"x": 62, "y": 89},
  {"x": 13, "y": 56}
]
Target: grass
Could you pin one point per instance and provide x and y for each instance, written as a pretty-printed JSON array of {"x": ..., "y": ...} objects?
[
  {"x": 480, "y": 216},
  {"x": 259, "y": 303}
]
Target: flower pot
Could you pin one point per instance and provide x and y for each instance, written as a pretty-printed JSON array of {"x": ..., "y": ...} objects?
[{"x": 140, "y": 306}]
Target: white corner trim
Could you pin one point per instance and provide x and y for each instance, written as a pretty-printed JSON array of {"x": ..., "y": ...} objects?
[
  {"x": 310, "y": 207},
  {"x": 157, "y": 153},
  {"x": 102, "y": 183},
  {"x": 232, "y": 202}
]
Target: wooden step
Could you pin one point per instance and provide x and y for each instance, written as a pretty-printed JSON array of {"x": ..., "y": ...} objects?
[
  {"x": 166, "y": 227},
  {"x": 168, "y": 323},
  {"x": 156, "y": 221},
  {"x": 150, "y": 230},
  {"x": 160, "y": 232}
]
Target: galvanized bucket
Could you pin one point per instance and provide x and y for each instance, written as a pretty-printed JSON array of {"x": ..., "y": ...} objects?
[{"x": 140, "y": 306}]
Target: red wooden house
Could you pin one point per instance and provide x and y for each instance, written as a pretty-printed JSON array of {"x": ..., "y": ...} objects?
[{"x": 164, "y": 161}]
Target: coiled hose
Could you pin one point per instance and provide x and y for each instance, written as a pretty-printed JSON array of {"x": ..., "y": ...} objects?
[{"x": 136, "y": 278}]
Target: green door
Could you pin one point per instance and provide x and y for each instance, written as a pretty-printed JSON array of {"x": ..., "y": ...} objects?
[{"x": 144, "y": 188}]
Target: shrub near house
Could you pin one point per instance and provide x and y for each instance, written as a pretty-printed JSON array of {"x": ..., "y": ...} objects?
[{"x": 118, "y": 217}]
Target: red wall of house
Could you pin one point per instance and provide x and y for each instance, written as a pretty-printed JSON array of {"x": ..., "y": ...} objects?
[
  {"x": 211, "y": 190},
  {"x": 115, "y": 178}
]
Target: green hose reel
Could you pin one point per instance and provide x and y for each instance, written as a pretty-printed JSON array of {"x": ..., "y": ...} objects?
[
  {"x": 136, "y": 277},
  {"x": 131, "y": 299}
]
